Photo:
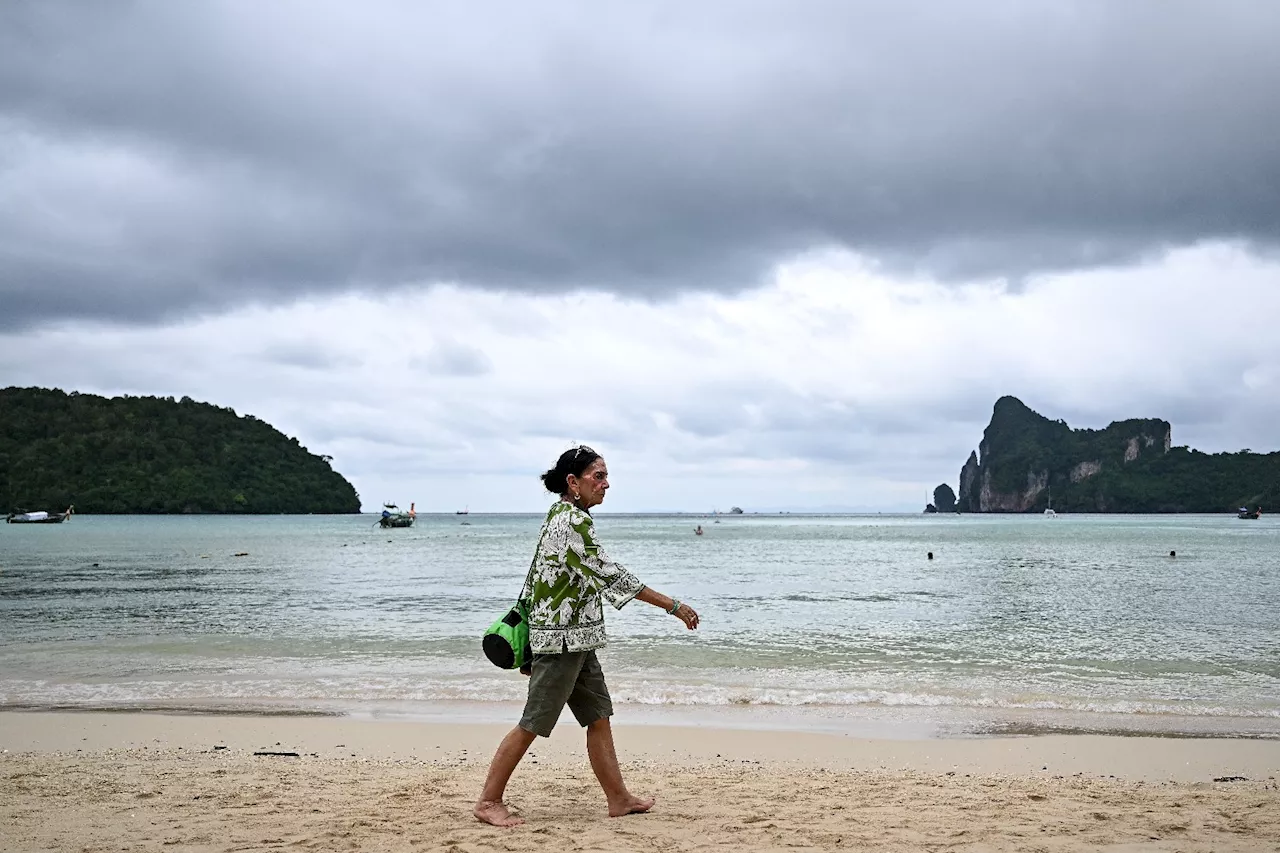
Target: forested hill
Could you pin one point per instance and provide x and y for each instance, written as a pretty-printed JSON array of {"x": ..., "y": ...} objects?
[
  {"x": 1025, "y": 460},
  {"x": 155, "y": 455}
]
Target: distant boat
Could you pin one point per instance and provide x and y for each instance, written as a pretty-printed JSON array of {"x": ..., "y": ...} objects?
[
  {"x": 393, "y": 516},
  {"x": 40, "y": 517},
  {"x": 1246, "y": 513},
  {"x": 1048, "y": 511},
  {"x": 463, "y": 511}
]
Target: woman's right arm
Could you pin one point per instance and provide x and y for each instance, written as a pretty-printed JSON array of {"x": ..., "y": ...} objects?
[
  {"x": 611, "y": 580},
  {"x": 602, "y": 575},
  {"x": 683, "y": 612}
]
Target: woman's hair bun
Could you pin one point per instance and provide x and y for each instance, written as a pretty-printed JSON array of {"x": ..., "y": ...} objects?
[{"x": 573, "y": 462}]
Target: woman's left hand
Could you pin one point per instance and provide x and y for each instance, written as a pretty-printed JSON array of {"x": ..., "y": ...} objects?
[{"x": 688, "y": 616}]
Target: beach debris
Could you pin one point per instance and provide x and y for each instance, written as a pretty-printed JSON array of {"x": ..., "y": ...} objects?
[
  {"x": 276, "y": 752},
  {"x": 216, "y": 748},
  {"x": 1230, "y": 779}
]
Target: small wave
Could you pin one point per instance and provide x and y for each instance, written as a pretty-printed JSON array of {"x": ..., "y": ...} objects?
[
  {"x": 811, "y": 598},
  {"x": 14, "y": 694},
  {"x": 927, "y": 700}
]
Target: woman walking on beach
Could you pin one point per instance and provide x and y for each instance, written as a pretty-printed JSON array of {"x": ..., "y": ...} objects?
[{"x": 570, "y": 578}]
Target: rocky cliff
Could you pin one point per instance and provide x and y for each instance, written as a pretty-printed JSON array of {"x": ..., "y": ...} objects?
[{"x": 1025, "y": 459}]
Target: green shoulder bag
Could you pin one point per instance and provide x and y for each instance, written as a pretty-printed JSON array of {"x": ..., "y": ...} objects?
[{"x": 506, "y": 643}]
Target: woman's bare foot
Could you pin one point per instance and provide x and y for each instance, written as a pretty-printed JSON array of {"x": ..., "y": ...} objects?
[
  {"x": 497, "y": 814},
  {"x": 631, "y": 805}
]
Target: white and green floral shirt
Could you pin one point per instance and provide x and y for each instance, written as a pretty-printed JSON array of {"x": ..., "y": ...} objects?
[{"x": 571, "y": 574}]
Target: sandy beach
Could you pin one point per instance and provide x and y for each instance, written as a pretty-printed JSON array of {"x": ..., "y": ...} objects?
[{"x": 131, "y": 781}]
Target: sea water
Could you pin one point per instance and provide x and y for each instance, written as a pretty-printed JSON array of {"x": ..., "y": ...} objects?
[{"x": 1018, "y": 623}]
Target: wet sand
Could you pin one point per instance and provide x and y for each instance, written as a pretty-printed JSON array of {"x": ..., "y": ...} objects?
[{"x": 130, "y": 781}]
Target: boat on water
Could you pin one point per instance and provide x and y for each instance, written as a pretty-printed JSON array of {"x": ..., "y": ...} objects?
[
  {"x": 1048, "y": 510},
  {"x": 463, "y": 511},
  {"x": 40, "y": 517},
  {"x": 1245, "y": 512},
  {"x": 393, "y": 516}
]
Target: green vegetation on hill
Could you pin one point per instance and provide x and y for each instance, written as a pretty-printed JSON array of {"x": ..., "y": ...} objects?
[
  {"x": 155, "y": 455},
  {"x": 1130, "y": 466},
  {"x": 1019, "y": 440},
  {"x": 1182, "y": 480}
]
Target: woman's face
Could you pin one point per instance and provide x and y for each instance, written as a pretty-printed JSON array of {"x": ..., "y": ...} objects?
[{"x": 592, "y": 485}]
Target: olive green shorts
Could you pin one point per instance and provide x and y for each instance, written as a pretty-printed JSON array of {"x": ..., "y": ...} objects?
[{"x": 572, "y": 678}]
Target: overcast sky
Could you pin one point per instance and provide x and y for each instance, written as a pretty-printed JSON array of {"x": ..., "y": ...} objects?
[{"x": 778, "y": 255}]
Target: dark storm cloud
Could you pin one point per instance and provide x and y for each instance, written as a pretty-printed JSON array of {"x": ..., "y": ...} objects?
[{"x": 164, "y": 158}]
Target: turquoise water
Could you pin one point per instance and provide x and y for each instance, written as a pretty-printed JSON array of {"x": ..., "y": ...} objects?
[{"x": 1024, "y": 622}]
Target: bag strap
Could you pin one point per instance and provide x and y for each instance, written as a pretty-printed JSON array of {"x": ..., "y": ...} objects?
[{"x": 533, "y": 563}]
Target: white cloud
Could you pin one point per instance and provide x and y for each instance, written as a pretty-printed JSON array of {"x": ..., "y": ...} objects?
[{"x": 833, "y": 386}]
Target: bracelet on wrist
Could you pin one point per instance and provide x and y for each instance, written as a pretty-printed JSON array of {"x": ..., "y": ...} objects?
[{"x": 675, "y": 605}]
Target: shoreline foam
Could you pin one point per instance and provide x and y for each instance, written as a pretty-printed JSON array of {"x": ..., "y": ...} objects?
[{"x": 894, "y": 723}]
